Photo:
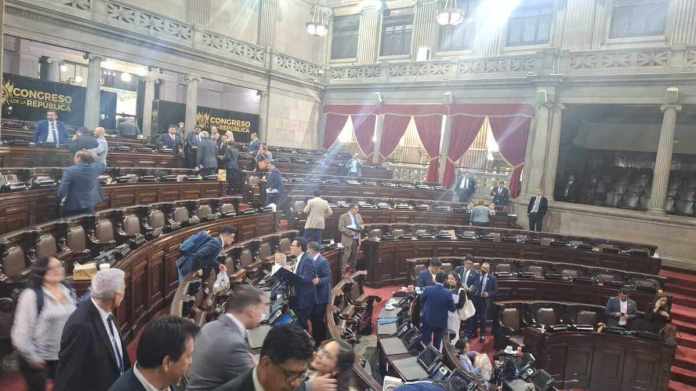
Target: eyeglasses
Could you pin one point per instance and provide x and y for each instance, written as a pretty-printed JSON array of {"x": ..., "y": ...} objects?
[{"x": 293, "y": 376}]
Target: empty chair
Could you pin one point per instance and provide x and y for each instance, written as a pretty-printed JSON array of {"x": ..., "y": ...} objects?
[
  {"x": 227, "y": 209},
  {"x": 130, "y": 226},
  {"x": 586, "y": 317},
  {"x": 503, "y": 268},
  {"x": 103, "y": 235},
  {"x": 264, "y": 251},
  {"x": 569, "y": 273},
  {"x": 246, "y": 258},
  {"x": 510, "y": 319},
  {"x": 181, "y": 215},
  {"x": 536, "y": 270},
  {"x": 156, "y": 222},
  {"x": 205, "y": 213},
  {"x": 14, "y": 262},
  {"x": 76, "y": 242},
  {"x": 546, "y": 316},
  {"x": 46, "y": 246}
]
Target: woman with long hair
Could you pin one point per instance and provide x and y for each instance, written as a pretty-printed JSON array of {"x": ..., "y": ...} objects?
[
  {"x": 42, "y": 310},
  {"x": 335, "y": 361},
  {"x": 454, "y": 322}
]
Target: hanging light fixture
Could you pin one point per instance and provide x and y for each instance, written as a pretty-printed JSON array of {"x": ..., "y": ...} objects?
[
  {"x": 317, "y": 26},
  {"x": 450, "y": 14}
]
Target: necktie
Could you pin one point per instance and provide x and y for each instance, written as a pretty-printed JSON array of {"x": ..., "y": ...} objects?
[
  {"x": 484, "y": 280},
  {"x": 113, "y": 334},
  {"x": 466, "y": 278}
]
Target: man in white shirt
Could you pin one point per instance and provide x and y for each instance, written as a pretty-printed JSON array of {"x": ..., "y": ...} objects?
[
  {"x": 620, "y": 310},
  {"x": 349, "y": 225},
  {"x": 164, "y": 356},
  {"x": 102, "y": 148}
]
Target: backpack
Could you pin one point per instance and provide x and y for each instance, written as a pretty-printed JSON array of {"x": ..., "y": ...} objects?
[{"x": 40, "y": 297}]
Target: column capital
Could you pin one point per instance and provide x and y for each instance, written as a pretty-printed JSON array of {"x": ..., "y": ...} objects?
[
  {"x": 94, "y": 58},
  {"x": 427, "y": 3},
  {"x": 373, "y": 6},
  {"x": 190, "y": 78},
  {"x": 670, "y": 106}
]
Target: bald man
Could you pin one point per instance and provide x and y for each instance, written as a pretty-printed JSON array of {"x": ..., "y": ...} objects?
[{"x": 102, "y": 148}]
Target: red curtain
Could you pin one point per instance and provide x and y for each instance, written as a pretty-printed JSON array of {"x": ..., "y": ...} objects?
[
  {"x": 334, "y": 125},
  {"x": 464, "y": 131},
  {"x": 429, "y": 130},
  {"x": 511, "y": 132},
  {"x": 364, "y": 127},
  {"x": 393, "y": 130}
]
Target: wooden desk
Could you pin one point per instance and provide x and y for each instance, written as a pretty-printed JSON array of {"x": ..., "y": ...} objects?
[
  {"x": 38, "y": 156},
  {"x": 602, "y": 362}
]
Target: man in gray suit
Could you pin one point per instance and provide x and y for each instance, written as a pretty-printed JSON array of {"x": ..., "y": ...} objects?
[
  {"x": 620, "y": 310},
  {"x": 222, "y": 350},
  {"x": 349, "y": 225},
  {"x": 317, "y": 211}
]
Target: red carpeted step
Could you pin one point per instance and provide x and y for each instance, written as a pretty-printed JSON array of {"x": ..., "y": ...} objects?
[
  {"x": 684, "y": 375},
  {"x": 688, "y": 290},
  {"x": 684, "y": 313},
  {"x": 679, "y": 386},
  {"x": 685, "y": 358},
  {"x": 686, "y": 339},
  {"x": 685, "y": 300},
  {"x": 684, "y": 327},
  {"x": 679, "y": 278}
]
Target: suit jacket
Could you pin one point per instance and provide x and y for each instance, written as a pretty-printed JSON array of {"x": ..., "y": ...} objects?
[
  {"x": 490, "y": 288},
  {"x": 424, "y": 279},
  {"x": 231, "y": 157},
  {"x": 86, "y": 141},
  {"x": 80, "y": 186},
  {"x": 346, "y": 234},
  {"x": 305, "y": 293},
  {"x": 317, "y": 210},
  {"x": 41, "y": 132},
  {"x": 275, "y": 181},
  {"x": 323, "y": 271},
  {"x": 244, "y": 382},
  {"x": 472, "y": 280},
  {"x": 165, "y": 140},
  {"x": 469, "y": 189},
  {"x": 221, "y": 354},
  {"x": 86, "y": 361},
  {"x": 437, "y": 301},
  {"x": 543, "y": 205},
  {"x": 614, "y": 308},
  {"x": 192, "y": 139},
  {"x": 128, "y": 382},
  {"x": 207, "y": 154},
  {"x": 205, "y": 257},
  {"x": 502, "y": 197}
]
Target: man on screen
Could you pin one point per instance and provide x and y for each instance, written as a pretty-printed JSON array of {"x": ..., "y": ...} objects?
[{"x": 51, "y": 131}]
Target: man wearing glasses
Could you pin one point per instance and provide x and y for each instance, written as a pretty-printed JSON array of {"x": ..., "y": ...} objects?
[{"x": 285, "y": 356}]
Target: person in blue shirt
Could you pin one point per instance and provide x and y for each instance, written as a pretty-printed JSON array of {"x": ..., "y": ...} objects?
[
  {"x": 484, "y": 295},
  {"x": 426, "y": 277},
  {"x": 437, "y": 301}
]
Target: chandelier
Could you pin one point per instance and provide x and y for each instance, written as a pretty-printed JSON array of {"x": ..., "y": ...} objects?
[
  {"x": 318, "y": 25},
  {"x": 450, "y": 14}
]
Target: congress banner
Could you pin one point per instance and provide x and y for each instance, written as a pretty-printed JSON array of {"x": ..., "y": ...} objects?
[
  {"x": 241, "y": 124},
  {"x": 29, "y": 99}
]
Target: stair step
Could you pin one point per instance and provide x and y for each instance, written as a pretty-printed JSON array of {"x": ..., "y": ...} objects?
[
  {"x": 686, "y": 339},
  {"x": 679, "y": 386},
  {"x": 685, "y": 326},
  {"x": 684, "y": 375},
  {"x": 685, "y": 358},
  {"x": 678, "y": 278},
  {"x": 689, "y": 290},
  {"x": 683, "y": 313},
  {"x": 682, "y": 299}
]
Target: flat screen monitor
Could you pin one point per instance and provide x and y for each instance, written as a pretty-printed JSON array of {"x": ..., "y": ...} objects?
[{"x": 429, "y": 357}]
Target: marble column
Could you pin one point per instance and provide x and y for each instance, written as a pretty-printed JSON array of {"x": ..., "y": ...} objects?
[
  {"x": 2, "y": 50},
  {"x": 663, "y": 160},
  {"x": 368, "y": 35},
  {"x": 554, "y": 146},
  {"x": 263, "y": 116},
  {"x": 93, "y": 95},
  {"x": 268, "y": 14},
  {"x": 426, "y": 29},
  {"x": 444, "y": 146},
  {"x": 198, "y": 12},
  {"x": 684, "y": 24},
  {"x": 539, "y": 137},
  {"x": 579, "y": 24},
  {"x": 191, "y": 101},
  {"x": 379, "y": 129},
  {"x": 149, "y": 96}
]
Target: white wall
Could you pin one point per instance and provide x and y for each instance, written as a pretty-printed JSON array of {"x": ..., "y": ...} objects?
[
  {"x": 290, "y": 35},
  {"x": 238, "y": 19}
]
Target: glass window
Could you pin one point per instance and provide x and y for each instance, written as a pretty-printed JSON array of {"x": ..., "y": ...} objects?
[
  {"x": 344, "y": 39},
  {"x": 397, "y": 29},
  {"x": 638, "y": 18},
  {"x": 530, "y": 23}
]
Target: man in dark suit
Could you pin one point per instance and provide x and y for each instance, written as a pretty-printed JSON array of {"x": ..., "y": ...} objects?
[
  {"x": 83, "y": 139},
  {"x": 322, "y": 284},
  {"x": 500, "y": 194},
  {"x": 206, "y": 157},
  {"x": 620, "y": 310},
  {"x": 285, "y": 356},
  {"x": 201, "y": 251},
  {"x": 164, "y": 353},
  {"x": 538, "y": 205},
  {"x": 437, "y": 301},
  {"x": 51, "y": 131},
  {"x": 92, "y": 353},
  {"x": 484, "y": 295},
  {"x": 79, "y": 190},
  {"x": 222, "y": 351},
  {"x": 427, "y": 277},
  {"x": 275, "y": 189},
  {"x": 469, "y": 278},
  {"x": 191, "y": 147},
  {"x": 465, "y": 187},
  {"x": 305, "y": 293},
  {"x": 254, "y": 144},
  {"x": 170, "y": 140}
]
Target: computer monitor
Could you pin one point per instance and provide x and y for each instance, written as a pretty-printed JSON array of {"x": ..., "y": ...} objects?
[
  {"x": 408, "y": 333},
  {"x": 429, "y": 358}
]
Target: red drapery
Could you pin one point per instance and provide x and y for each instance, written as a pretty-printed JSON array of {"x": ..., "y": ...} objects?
[
  {"x": 392, "y": 131},
  {"x": 464, "y": 131},
  {"x": 429, "y": 129},
  {"x": 364, "y": 127},
  {"x": 511, "y": 134},
  {"x": 332, "y": 128}
]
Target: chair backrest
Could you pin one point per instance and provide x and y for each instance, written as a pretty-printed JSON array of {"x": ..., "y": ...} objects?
[
  {"x": 503, "y": 268},
  {"x": 536, "y": 270},
  {"x": 227, "y": 209},
  {"x": 245, "y": 259},
  {"x": 181, "y": 214},
  {"x": 14, "y": 262},
  {"x": 46, "y": 246},
  {"x": 447, "y": 267},
  {"x": 156, "y": 219},
  {"x": 265, "y": 250},
  {"x": 284, "y": 245},
  {"x": 572, "y": 273},
  {"x": 546, "y": 316},
  {"x": 299, "y": 206},
  {"x": 586, "y": 317},
  {"x": 131, "y": 225},
  {"x": 76, "y": 239},
  {"x": 605, "y": 277},
  {"x": 104, "y": 230},
  {"x": 204, "y": 211},
  {"x": 511, "y": 318}
]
